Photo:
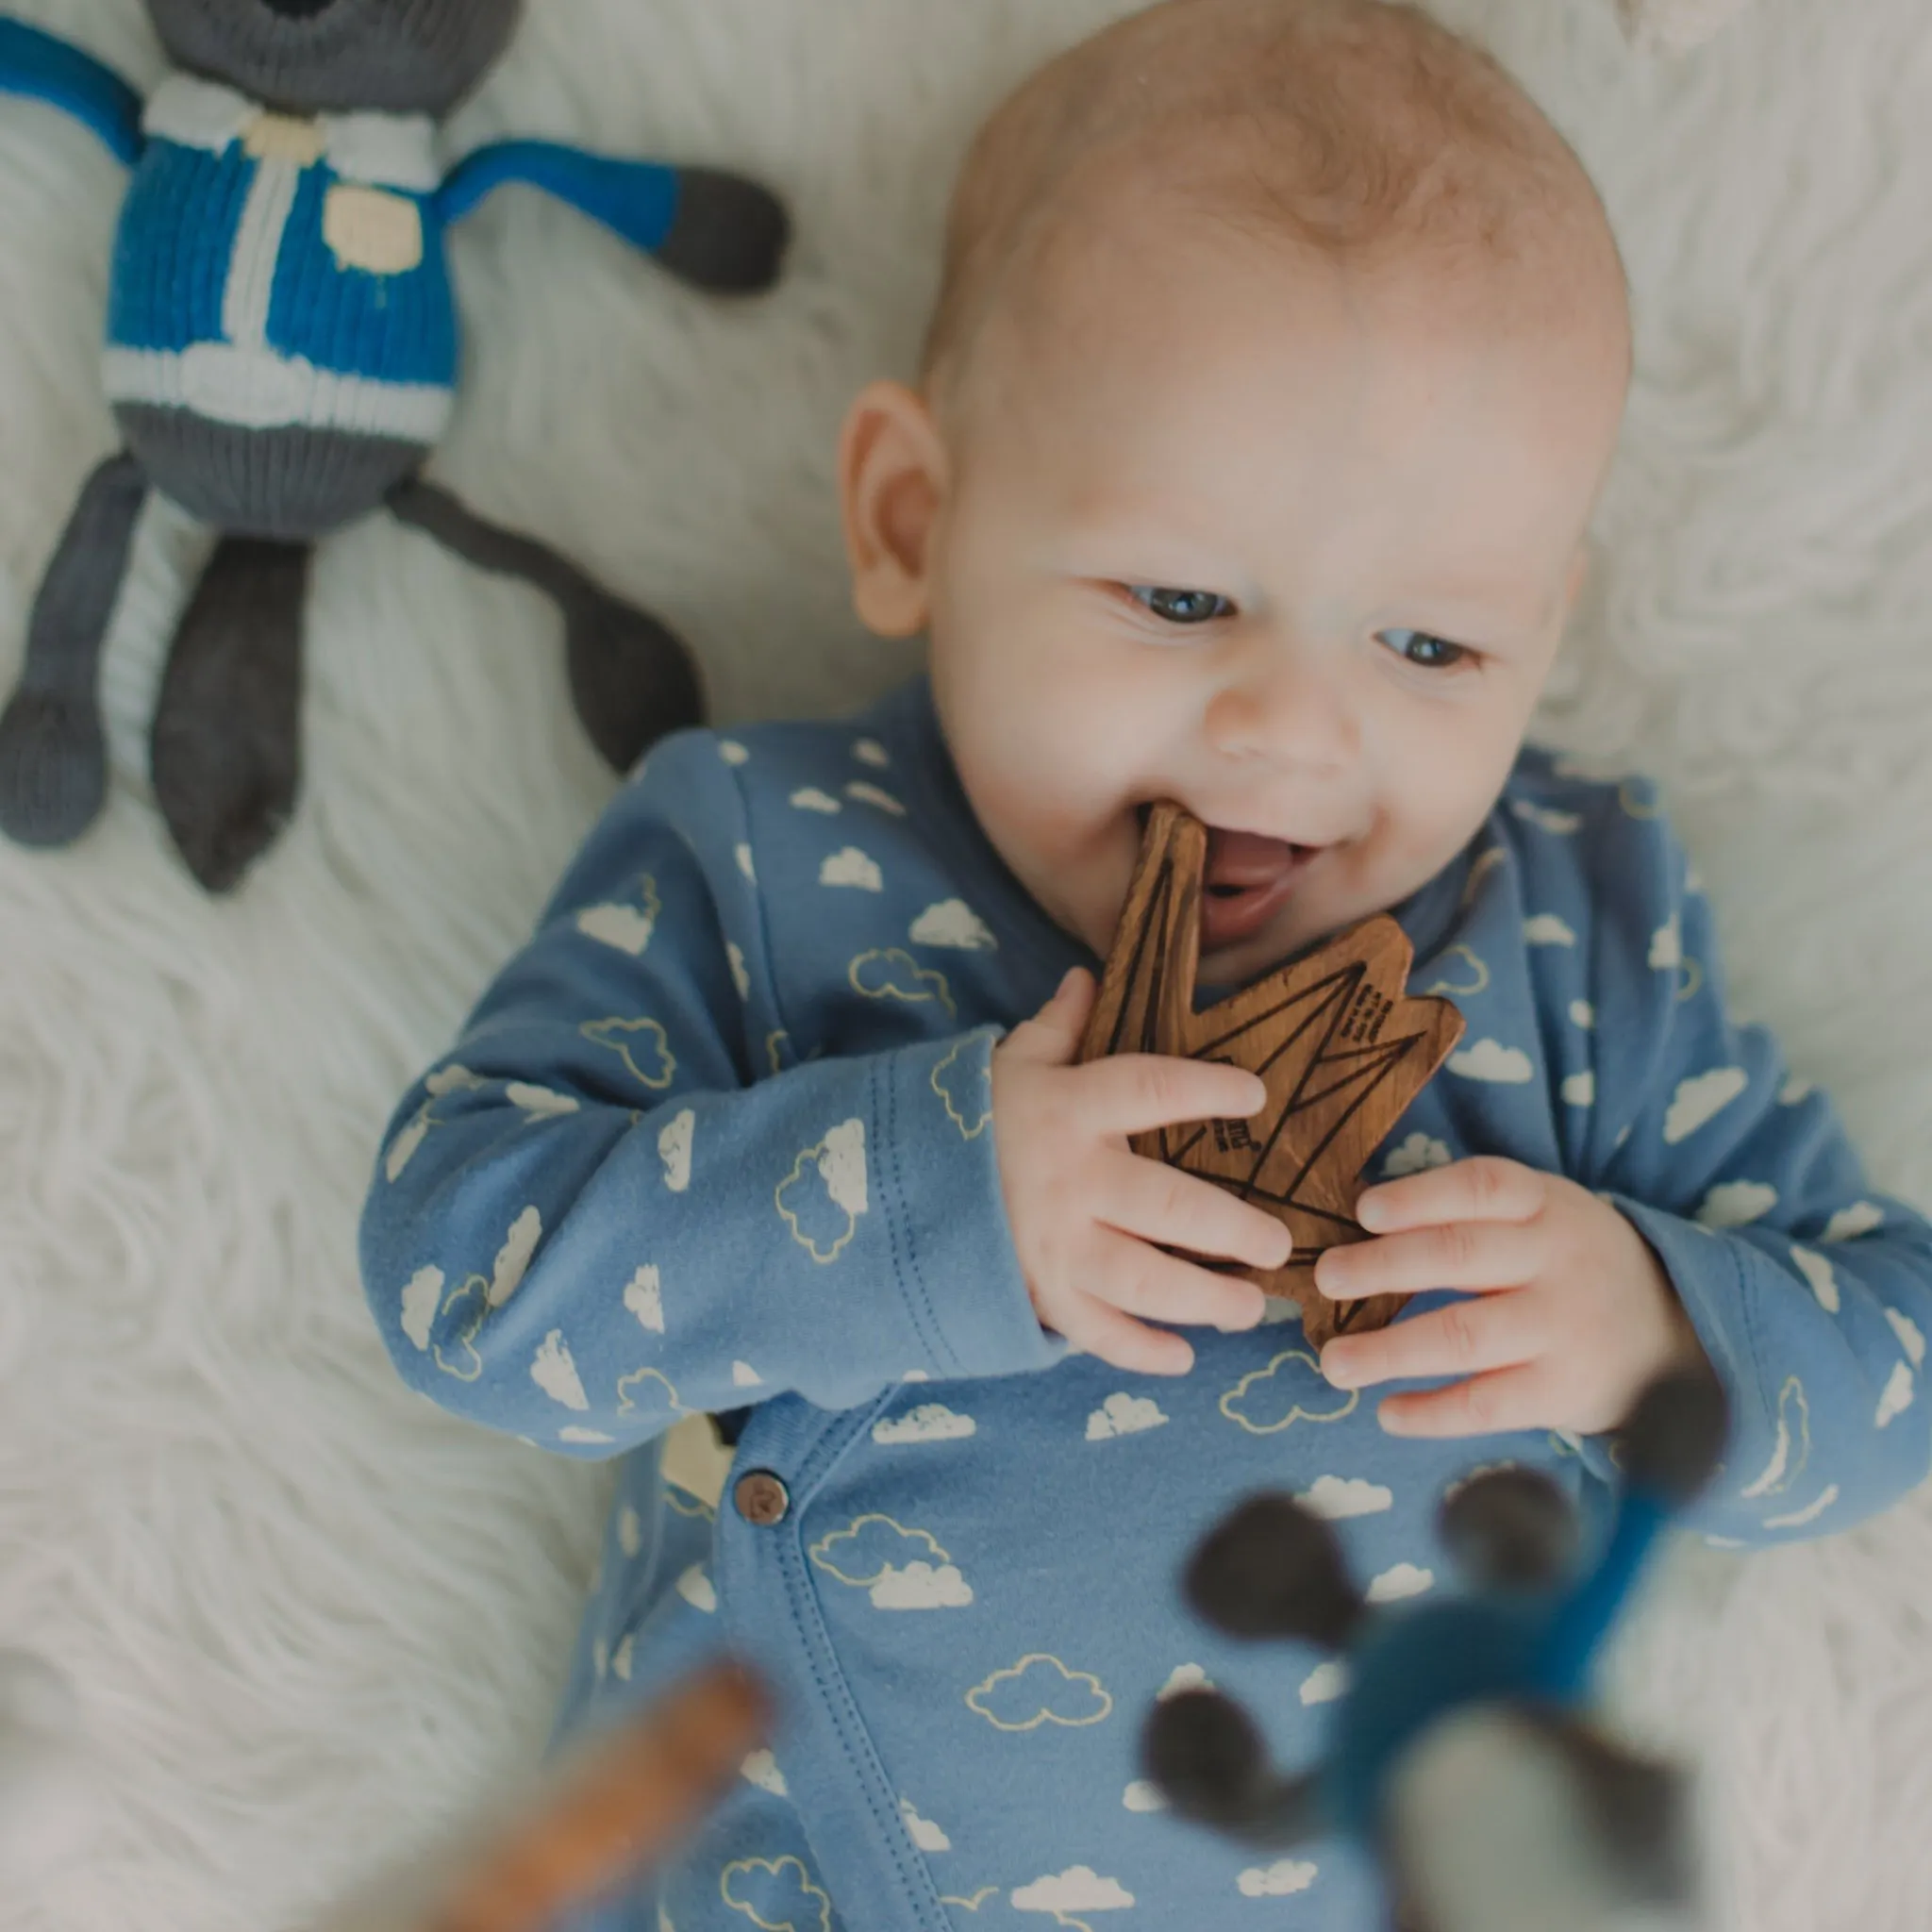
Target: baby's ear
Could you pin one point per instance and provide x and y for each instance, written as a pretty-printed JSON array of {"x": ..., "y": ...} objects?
[{"x": 892, "y": 482}]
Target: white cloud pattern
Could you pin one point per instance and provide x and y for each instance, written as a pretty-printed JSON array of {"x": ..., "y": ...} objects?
[
  {"x": 1909, "y": 1337},
  {"x": 627, "y": 927},
  {"x": 1817, "y": 1270},
  {"x": 933, "y": 1421},
  {"x": 1338, "y": 1497},
  {"x": 1490, "y": 1060},
  {"x": 1277, "y": 1880},
  {"x": 1184, "y": 1677},
  {"x": 927, "y": 1836},
  {"x": 513, "y": 1258},
  {"x": 1848, "y": 1223},
  {"x": 540, "y": 1103},
  {"x": 1701, "y": 1098},
  {"x": 849, "y": 866},
  {"x": 921, "y": 1586},
  {"x": 1416, "y": 1152},
  {"x": 1667, "y": 945},
  {"x": 1079, "y": 1888},
  {"x": 1736, "y": 1204},
  {"x": 1325, "y": 1682},
  {"x": 644, "y": 1295},
  {"x": 553, "y": 1371},
  {"x": 1896, "y": 1396},
  {"x": 674, "y": 1149},
  {"x": 1403, "y": 1579},
  {"x": 953, "y": 922},
  {"x": 422, "y": 1297},
  {"x": 1124, "y": 1415}
]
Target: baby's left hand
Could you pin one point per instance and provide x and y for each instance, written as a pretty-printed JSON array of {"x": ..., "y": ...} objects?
[{"x": 1573, "y": 1313}]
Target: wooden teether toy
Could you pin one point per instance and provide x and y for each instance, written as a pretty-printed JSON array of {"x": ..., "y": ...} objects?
[{"x": 1342, "y": 1049}]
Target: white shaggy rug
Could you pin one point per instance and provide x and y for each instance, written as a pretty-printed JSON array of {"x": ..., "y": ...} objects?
[{"x": 307, "y": 1616}]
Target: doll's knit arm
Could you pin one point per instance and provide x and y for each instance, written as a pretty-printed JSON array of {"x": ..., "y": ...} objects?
[
  {"x": 1811, "y": 1294},
  {"x": 715, "y": 229},
  {"x": 608, "y": 1209},
  {"x": 44, "y": 68}
]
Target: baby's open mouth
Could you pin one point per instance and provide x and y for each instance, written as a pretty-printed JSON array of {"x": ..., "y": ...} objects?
[{"x": 1248, "y": 880}]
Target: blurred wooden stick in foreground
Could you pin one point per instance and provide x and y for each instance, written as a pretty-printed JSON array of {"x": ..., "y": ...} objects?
[{"x": 616, "y": 1805}]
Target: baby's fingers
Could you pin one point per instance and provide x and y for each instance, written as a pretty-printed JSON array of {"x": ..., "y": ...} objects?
[
  {"x": 1178, "y": 1210},
  {"x": 1141, "y": 1281},
  {"x": 1467, "y": 1337},
  {"x": 1135, "y": 1092},
  {"x": 1492, "y": 1405},
  {"x": 1096, "y": 1330}
]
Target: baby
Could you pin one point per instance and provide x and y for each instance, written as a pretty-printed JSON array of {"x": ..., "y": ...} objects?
[{"x": 1280, "y": 356}]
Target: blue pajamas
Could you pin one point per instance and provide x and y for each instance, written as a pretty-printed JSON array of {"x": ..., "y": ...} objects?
[{"x": 720, "y": 1140}]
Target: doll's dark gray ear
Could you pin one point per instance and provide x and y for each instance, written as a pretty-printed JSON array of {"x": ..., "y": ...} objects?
[
  {"x": 1509, "y": 1529},
  {"x": 321, "y": 56},
  {"x": 1671, "y": 1443},
  {"x": 1273, "y": 1569},
  {"x": 1206, "y": 1757}
]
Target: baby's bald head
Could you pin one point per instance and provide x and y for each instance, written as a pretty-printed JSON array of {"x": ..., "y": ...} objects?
[{"x": 1360, "y": 129}]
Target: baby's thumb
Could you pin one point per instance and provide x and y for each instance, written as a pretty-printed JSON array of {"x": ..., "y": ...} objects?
[{"x": 1052, "y": 1036}]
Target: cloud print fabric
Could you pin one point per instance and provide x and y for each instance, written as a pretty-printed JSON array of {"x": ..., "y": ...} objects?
[{"x": 721, "y": 1139}]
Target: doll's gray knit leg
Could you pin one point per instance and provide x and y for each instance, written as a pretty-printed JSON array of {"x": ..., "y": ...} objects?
[
  {"x": 632, "y": 679},
  {"x": 53, "y": 754},
  {"x": 227, "y": 728}
]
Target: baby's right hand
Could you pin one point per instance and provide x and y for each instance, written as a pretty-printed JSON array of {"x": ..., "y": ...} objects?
[{"x": 1089, "y": 1216}]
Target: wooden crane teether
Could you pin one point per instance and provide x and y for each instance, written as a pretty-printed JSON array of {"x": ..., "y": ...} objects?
[{"x": 1342, "y": 1049}]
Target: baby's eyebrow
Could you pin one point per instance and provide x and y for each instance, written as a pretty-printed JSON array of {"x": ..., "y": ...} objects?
[{"x": 1495, "y": 608}]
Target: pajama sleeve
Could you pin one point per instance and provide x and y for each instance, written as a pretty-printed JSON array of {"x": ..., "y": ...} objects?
[
  {"x": 609, "y": 1207},
  {"x": 1811, "y": 1294}
]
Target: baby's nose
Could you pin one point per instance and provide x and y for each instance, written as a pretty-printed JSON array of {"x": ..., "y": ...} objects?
[{"x": 1285, "y": 710}]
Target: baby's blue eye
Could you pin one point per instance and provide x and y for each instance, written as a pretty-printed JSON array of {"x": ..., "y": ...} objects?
[
  {"x": 1181, "y": 606},
  {"x": 1420, "y": 647}
]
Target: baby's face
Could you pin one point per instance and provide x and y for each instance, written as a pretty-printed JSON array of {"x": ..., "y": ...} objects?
[{"x": 1289, "y": 544}]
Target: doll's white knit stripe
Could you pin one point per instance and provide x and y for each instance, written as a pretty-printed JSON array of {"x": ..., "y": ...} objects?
[
  {"x": 384, "y": 150},
  {"x": 375, "y": 150},
  {"x": 256, "y": 388},
  {"x": 256, "y": 251},
  {"x": 196, "y": 113}
]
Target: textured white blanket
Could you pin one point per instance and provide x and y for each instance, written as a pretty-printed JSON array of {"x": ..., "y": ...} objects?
[{"x": 307, "y": 1615}]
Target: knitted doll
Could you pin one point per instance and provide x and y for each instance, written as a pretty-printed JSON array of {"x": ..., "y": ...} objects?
[
  {"x": 282, "y": 353},
  {"x": 1459, "y": 1753}
]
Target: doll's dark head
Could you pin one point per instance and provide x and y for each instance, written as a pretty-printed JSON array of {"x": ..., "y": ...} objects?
[{"x": 396, "y": 57}]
